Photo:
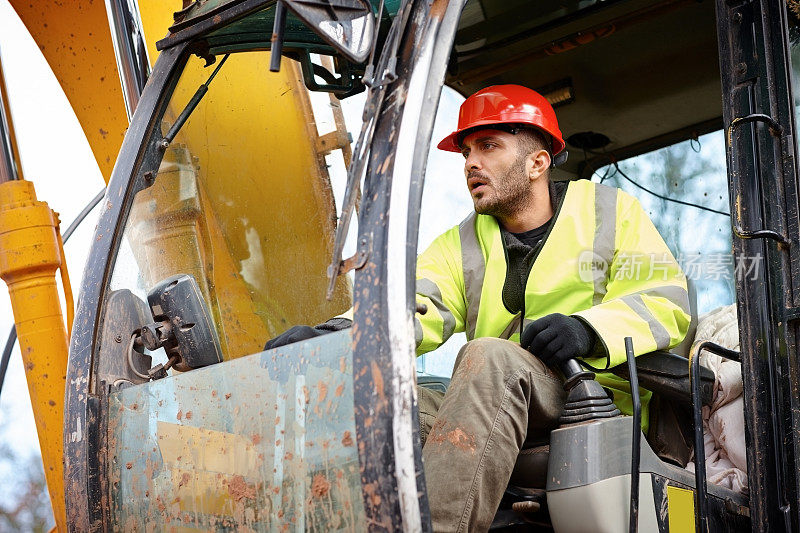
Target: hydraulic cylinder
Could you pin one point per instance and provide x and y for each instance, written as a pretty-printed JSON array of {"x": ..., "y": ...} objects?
[{"x": 30, "y": 254}]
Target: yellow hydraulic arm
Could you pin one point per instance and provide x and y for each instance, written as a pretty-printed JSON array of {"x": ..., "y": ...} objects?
[
  {"x": 31, "y": 251},
  {"x": 75, "y": 39}
]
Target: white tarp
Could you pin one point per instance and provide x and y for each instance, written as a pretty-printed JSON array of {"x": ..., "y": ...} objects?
[{"x": 723, "y": 421}]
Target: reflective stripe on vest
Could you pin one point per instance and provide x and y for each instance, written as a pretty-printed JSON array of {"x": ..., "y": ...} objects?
[
  {"x": 556, "y": 282},
  {"x": 474, "y": 265}
]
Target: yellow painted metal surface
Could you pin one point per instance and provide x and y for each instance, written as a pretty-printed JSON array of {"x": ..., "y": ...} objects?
[
  {"x": 680, "y": 506},
  {"x": 75, "y": 39},
  {"x": 156, "y": 18},
  {"x": 243, "y": 202},
  {"x": 29, "y": 257}
]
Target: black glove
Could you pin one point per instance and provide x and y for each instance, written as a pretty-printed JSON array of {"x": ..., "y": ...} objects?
[
  {"x": 302, "y": 333},
  {"x": 557, "y": 338}
]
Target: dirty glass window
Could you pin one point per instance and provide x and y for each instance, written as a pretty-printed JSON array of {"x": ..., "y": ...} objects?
[
  {"x": 245, "y": 201},
  {"x": 242, "y": 202},
  {"x": 693, "y": 172},
  {"x": 262, "y": 443}
]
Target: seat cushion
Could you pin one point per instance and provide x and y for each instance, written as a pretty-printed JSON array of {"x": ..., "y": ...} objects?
[{"x": 530, "y": 470}]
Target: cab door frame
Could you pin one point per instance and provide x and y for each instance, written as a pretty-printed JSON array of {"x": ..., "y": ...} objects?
[
  {"x": 760, "y": 133},
  {"x": 390, "y": 452}
]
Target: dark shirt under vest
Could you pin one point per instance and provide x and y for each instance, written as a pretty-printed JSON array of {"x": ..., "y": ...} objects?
[{"x": 521, "y": 251}]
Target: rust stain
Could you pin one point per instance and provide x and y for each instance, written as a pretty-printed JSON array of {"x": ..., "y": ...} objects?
[
  {"x": 320, "y": 486},
  {"x": 347, "y": 439},
  {"x": 188, "y": 415},
  {"x": 339, "y": 390},
  {"x": 129, "y": 465},
  {"x": 180, "y": 415},
  {"x": 256, "y": 438},
  {"x": 228, "y": 396},
  {"x": 160, "y": 505},
  {"x": 238, "y": 488},
  {"x": 438, "y": 8},
  {"x": 185, "y": 477},
  {"x": 374, "y": 499},
  {"x": 377, "y": 378},
  {"x": 323, "y": 391}
]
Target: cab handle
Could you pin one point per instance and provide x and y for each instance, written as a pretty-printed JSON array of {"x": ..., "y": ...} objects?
[{"x": 776, "y": 130}]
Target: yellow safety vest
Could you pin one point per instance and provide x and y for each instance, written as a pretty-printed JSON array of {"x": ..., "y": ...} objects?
[{"x": 603, "y": 261}]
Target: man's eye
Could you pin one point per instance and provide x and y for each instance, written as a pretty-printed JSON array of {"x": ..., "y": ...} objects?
[
  {"x": 465, "y": 153},
  {"x": 488, "y": 146}
]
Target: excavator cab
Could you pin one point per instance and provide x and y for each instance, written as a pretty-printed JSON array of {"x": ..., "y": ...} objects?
[{"x": 227, "y": 221}]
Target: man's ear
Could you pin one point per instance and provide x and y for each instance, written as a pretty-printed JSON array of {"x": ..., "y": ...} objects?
[{"x": 537, "y": 164}]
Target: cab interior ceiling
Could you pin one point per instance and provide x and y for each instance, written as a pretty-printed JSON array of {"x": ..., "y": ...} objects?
[{"x": 645, "y": 74}]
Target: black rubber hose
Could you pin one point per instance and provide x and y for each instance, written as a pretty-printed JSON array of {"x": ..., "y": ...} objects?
[{"x": 12, "y": 335}]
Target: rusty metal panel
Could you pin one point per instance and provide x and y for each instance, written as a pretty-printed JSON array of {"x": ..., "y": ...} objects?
[{"x": 262, "y": 443}]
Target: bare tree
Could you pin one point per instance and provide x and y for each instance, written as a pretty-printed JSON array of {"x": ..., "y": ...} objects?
[{"x": 24, "y": 501}]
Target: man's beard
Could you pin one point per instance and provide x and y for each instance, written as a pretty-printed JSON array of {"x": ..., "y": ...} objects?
[{"x": 512, "y": 192}]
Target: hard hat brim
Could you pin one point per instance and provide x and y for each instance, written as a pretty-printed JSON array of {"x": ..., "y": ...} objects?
[{"x": 450, "y": 143}]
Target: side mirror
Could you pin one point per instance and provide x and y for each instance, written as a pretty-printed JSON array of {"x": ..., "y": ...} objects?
[
  {"x": 183, "y": 326},
  {"x": 347, "y": 25}
]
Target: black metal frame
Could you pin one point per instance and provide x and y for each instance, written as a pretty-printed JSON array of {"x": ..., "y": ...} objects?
[
  {"x": 762, "y": 171},
  {"x": 636, "y": 436},
  {"x": 82, "y": 430},
  {"x": 414, "y": 96}
]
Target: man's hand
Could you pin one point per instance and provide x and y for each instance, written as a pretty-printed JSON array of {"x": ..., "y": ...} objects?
[
  {"x": 557, "y": 338},
  {"x": 303, "y": 333}
]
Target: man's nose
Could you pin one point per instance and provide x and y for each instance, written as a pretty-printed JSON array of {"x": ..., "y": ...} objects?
[{"x": 472, "y": 162}]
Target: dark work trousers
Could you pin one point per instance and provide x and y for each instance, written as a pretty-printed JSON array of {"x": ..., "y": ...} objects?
[{"x": 501, "y": 399}]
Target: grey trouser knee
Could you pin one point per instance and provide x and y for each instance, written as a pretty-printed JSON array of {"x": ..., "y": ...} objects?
[{"x": 500, "y": 397}]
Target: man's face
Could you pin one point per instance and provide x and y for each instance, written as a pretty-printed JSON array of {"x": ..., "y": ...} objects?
[{"x": 495, "y": 170}]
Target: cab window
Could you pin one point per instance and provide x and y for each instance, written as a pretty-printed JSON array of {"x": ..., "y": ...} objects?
[
  {"x": 244, "y": 202},
  {"x": 684, "y": 189}
]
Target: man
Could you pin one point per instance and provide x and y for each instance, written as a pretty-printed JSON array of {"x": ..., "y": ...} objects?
[{"x": 541, "y": 273}]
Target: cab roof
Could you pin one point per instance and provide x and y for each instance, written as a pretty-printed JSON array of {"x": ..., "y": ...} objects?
[{"x": 645, "y": 74}]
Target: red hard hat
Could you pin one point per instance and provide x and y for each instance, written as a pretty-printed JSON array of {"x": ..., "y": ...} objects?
[{"x": 505, "y": 104}]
